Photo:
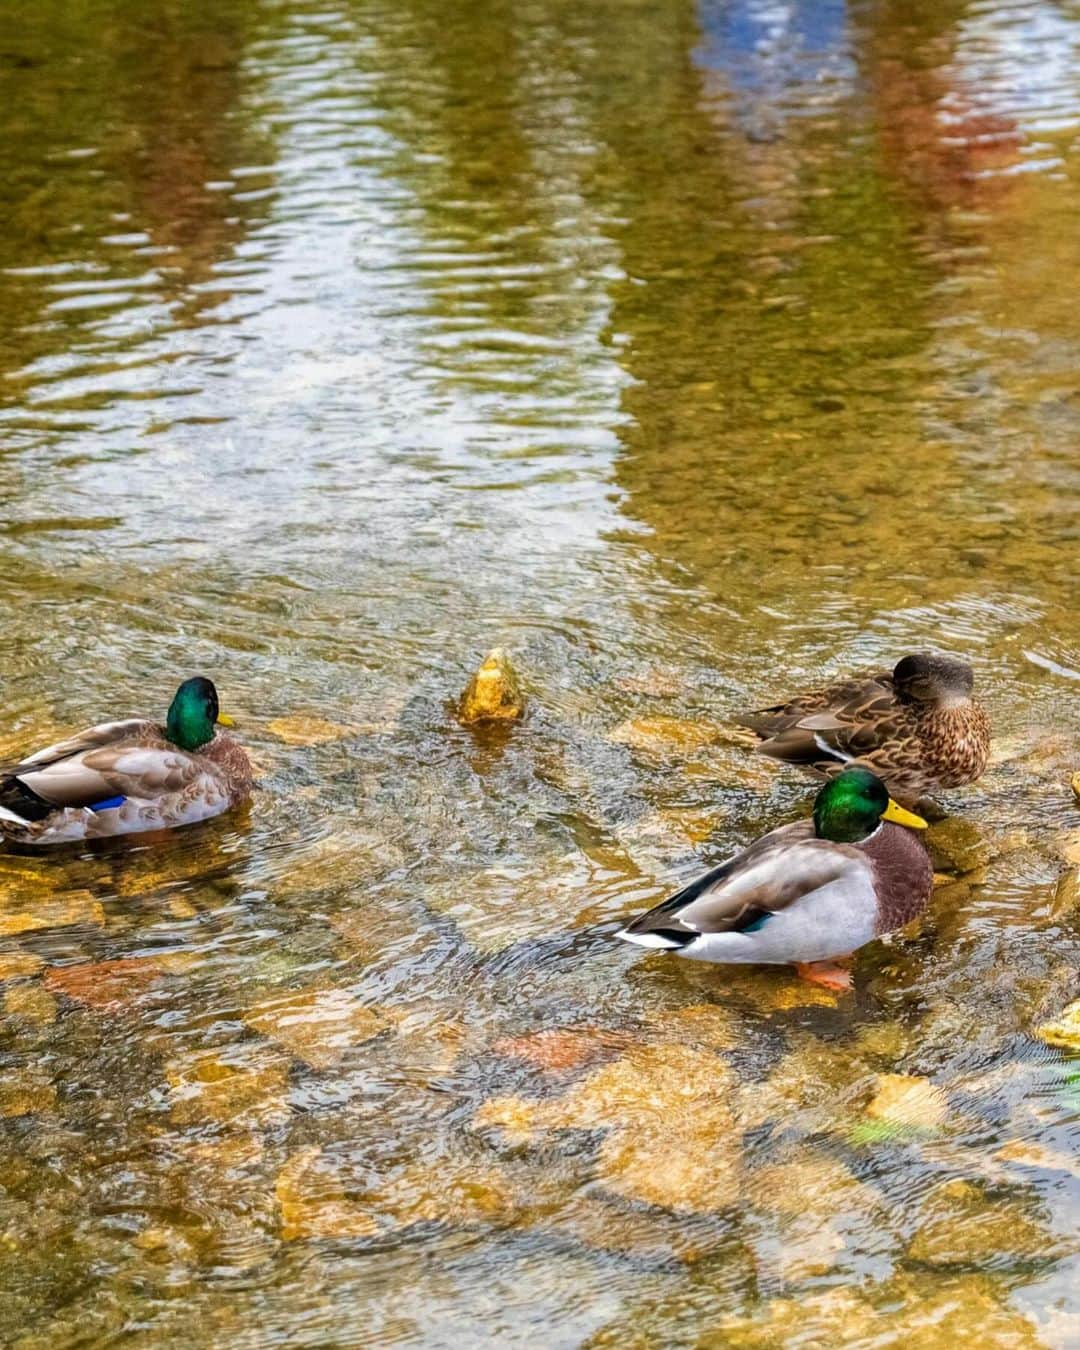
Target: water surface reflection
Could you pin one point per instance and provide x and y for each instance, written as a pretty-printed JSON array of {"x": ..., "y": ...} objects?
[{"x": 691, "y": 352}]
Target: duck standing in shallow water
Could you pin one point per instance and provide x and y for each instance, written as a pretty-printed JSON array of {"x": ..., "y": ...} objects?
[
  {"x": 917, "y": 727},
  {"x": 806, "y": 893},
  {"x": 130, "y": 776}
]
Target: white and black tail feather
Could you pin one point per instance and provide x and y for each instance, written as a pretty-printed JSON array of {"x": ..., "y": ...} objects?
[
  {"x": 661, "y": 928},
  {"x": 21, "y": 805}
]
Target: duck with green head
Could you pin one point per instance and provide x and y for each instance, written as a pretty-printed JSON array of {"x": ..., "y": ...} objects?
[
  {"x": 806, "y": 893},
  {"x": 129, "y": 776}
]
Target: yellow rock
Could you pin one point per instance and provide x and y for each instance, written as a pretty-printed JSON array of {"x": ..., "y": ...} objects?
[
  {"x": 19, "y": 965},
  {"x": 666, "y": 735},
  {"x": 313, "y": 1203},
  {"x": 816, "y": 1321},
  {"x": 494, "y": 692},
  {"x": 672, "y": 1140},
  {"x": 556, "y": 1049},
  {"x": 1065, "y": 1030},
  {"x": 318, "y": 1026},
  {"x": 1069, "y": 847},
  {"x": 783, "y": 1188},
  {"x": 908, "y": 1101},
  {"x": 884, "y": 1040},
  {"x": 1029, "y": 1153},
  {"x": 167, "y": 1242},
  {"x": 704, "y": 1024},
  {"x": 32, "y": 1002},
  {"x": 681, "y": 1167},
  {"x": 435, "y": 1045},
  {"x": 774, "y": 988},
  {"x": 339, "y": 859},
  {"x": 58, "y": 911},
  {"x": 695, "y": 826},
  {"x": 303, "y": 730},
  {"x": 445, "y": 1192},
  {"x": 514, "y": 1117},
  {"x": 918, "y": 1312},
  {"x": 1066, "y": 894},
  {"x": 962, "y": 1226},
  {"x": 1075, "y": 780},
  {"x": 248, "y": 1089},
  {"x": 25, "y": 1095},
  {"x": 817, "y": 1086}
]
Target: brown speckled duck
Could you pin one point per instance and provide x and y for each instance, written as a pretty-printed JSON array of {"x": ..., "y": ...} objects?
[
  {"x": 806, "y": 893},
  {"x": 917, "y": 727},
  {"x": 129, "y": 776}
]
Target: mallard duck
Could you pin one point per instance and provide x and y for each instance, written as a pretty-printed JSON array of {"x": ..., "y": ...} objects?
[
  {"x": 806, "y": 893},
  {"x": 917, "y": 727},
  {"x": 129, "y": 776}
]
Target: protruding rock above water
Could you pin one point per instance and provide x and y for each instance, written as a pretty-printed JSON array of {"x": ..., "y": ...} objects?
[{"x": 494, "y": 692}]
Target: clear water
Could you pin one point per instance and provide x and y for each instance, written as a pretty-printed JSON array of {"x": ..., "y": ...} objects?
[{"x": 693, "y": 353}]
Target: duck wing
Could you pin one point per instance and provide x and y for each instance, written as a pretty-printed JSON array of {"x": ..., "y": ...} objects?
[
  {"x": 116, "y": 759},
  {"x": 771, "y": 875},
  {"x": 833, "y": 726}
]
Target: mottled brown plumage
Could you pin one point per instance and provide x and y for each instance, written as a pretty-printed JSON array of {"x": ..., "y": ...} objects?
[
  {"x": 917, "y": 727},
  {"x": 120, "y": 778}
]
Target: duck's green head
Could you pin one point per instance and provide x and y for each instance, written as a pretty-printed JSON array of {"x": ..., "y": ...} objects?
[
  {"x": 194, "y": 714},
  {"x": 850, "y": 807}
]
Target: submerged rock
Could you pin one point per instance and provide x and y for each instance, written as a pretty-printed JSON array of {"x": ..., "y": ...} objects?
[
  {"x": 31, "y": 1002},
  {"x": 246, "y": 1087},
  {"x": 706, "y": 1025},
  {"x": 1030, "y": 1153},
  {"x": 917, "y": 1312},
  {"x": 302, "y": 730},
  {"x": 962, "y": 1226},
  {"x": 318, "y": 1198},
  {"x": 1069, "y": 847},
  {"x": 106, "y": 985},
  {"x": 1063, "y": 1031},
  {"x": 957, "y": 845},
  {"x": 494, "y": 692},
  {"x": 313, "y": 1203},
  {"x": 19, "y": 965},
  {"x": 20, "y": 914},
  {"x": 666, "y": 735},
  {"x": 24, "y": 1093},
  {"x": 316, "y": 1025},
  {"x": 671, "y": 1135},
  {"x": 908, "y": 1102},
  {"x": 558, "y": 1048},
  {"x": 1066, "y": 894}
]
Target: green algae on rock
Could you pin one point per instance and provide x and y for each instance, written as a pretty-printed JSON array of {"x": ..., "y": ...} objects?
[{"x": 494, "y": 692}]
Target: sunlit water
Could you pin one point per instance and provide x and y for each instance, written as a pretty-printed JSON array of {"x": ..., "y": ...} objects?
[{"x": 693, "y": 354}]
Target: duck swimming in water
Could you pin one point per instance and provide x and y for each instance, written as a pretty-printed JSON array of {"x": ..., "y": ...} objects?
[
  {"x": 917, "y": 727},
  {"x": 128, "y": 776},
  {"x": 804, "y": 894}
]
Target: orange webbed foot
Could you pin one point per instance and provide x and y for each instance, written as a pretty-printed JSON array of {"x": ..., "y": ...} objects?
[{"x": 826, "y": 973}]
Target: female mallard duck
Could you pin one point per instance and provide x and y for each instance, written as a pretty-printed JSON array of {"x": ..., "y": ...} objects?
[
  {"x": 805, "y": 893},
  {"x": 918, "y": 728},
  {"x": 125, "y": 777}
]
